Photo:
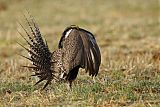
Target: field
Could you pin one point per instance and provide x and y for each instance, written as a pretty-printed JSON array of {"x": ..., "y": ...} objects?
[{"x": 127, "y": 31}]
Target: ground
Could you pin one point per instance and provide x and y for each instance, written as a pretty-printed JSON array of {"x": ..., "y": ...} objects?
[{"x": 127, "y": 32}]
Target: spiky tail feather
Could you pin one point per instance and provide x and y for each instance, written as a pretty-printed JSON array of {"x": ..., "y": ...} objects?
[{"x": 40, "y": 55}]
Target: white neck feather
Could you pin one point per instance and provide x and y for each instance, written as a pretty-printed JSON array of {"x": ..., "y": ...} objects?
[{"x": 67, "y": 33}]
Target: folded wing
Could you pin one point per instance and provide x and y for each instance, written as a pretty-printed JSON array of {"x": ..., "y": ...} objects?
[{"x": 92, "y": 56}]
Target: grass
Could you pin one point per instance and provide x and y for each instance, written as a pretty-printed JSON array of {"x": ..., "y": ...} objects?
[{"x": 128, "y": 35}]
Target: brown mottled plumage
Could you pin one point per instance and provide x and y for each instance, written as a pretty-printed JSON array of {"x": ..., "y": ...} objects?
[
  {"x": 77, "y": 49},
  {"x": 80, "y": 51}
]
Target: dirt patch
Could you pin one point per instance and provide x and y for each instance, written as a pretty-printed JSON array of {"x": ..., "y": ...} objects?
[{"x": 3, "y": 6}]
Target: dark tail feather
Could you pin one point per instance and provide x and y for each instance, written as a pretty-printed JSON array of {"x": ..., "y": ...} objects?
[
  {"x": 43, "y": 78},
  {"x": 40, "y": 55},
  {"x": 48, "y": 81}
]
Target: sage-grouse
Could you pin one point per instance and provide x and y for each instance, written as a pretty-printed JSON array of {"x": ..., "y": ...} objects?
[{"x": 77, "y": 49}]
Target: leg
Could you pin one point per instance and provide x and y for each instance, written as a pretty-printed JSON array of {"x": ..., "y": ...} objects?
[
  {"x": 71, "y": 77},
  {"x": 69, "y": 85},
  {"x": 94, "y": 81}
]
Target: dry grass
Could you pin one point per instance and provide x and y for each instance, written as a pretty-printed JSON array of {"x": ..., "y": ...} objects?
[{"x": 127, "y": 32}]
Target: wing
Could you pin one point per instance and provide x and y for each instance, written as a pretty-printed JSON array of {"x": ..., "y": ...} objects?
[
  {"x": 80, "y": 49},
  {"x": 39, "y": 53},
  {"x": 92, "y": 56}
]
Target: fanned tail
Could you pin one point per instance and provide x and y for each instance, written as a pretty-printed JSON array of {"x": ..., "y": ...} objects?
[{"x": 39, "y": 53}]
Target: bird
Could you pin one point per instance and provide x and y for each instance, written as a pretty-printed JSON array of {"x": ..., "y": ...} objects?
[{"x": 77, "y": 48}]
